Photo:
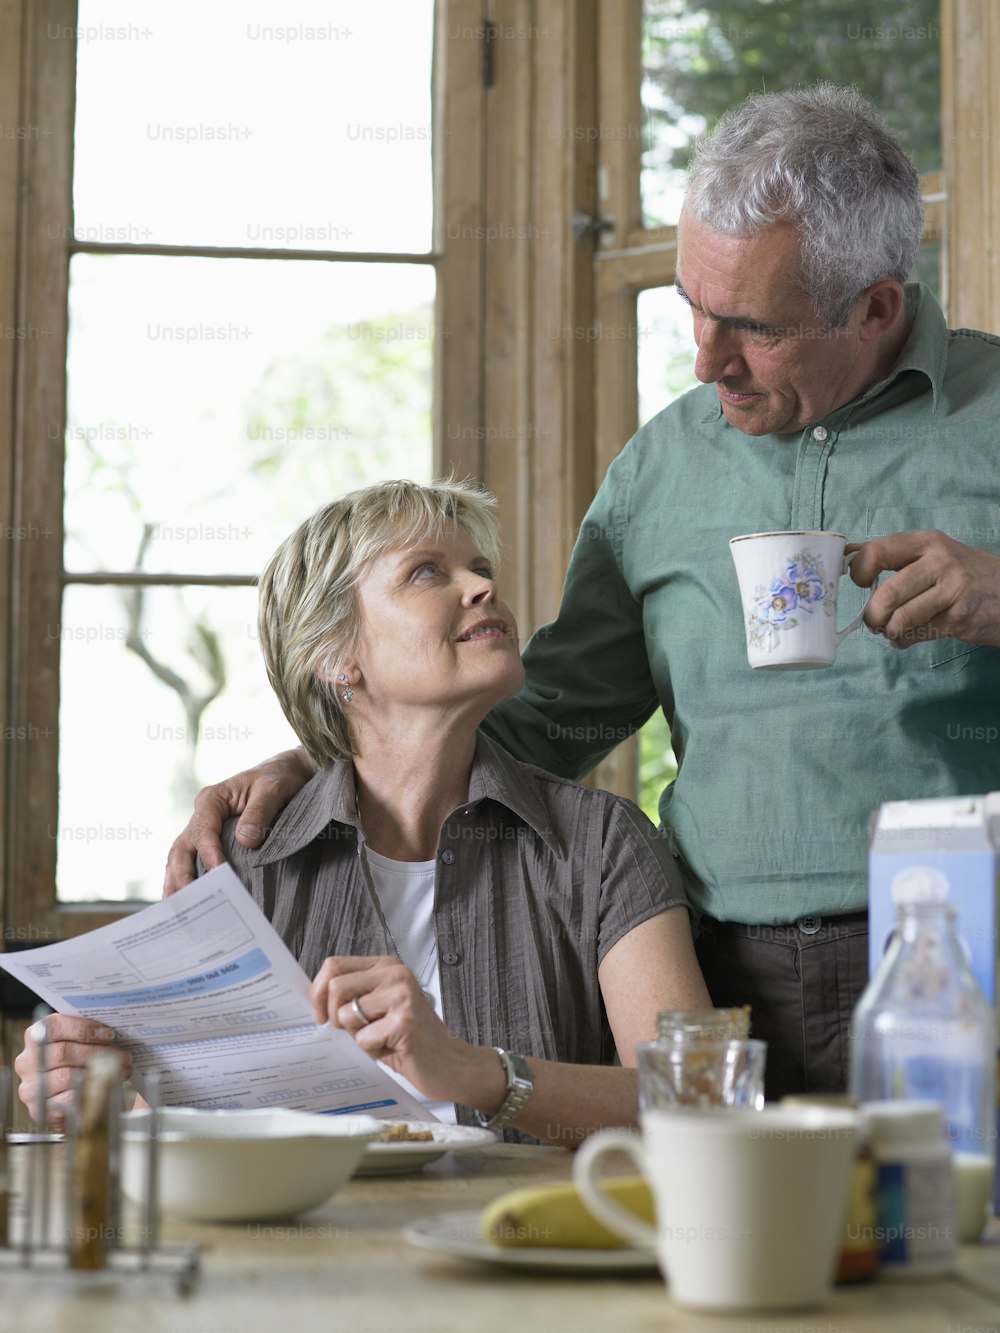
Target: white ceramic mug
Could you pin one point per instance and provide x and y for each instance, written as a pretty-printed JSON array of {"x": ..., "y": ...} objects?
[
  {"x": 788, "y": 590},
  {"x": 750, "y": 1208}
]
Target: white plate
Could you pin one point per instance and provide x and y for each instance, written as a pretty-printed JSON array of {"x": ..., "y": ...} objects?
[
  {"x": 458, "y": 1234},
  {"x": 389, "y": 1159}
]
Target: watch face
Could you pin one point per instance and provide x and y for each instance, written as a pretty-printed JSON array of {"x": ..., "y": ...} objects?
[{"x": 518, "y": 1070}]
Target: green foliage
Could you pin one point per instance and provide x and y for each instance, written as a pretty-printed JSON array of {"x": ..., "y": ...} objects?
[
  {"x": 701, "y": 58},
  {"x": 375, "y": 375},
  {"x": 657, "y": 765}
]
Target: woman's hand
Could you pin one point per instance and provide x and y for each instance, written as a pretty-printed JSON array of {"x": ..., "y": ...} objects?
[
  {"x": 257, "y": 794},
  {"x": 394, "y": 1022},
  {"x": 72, "y": 1044}
]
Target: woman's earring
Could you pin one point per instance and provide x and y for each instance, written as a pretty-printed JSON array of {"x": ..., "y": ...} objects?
[{"x": 348, "y": 694}]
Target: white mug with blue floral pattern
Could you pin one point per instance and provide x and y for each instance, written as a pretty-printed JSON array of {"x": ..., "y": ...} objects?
[{"x": 788, "y": 588}]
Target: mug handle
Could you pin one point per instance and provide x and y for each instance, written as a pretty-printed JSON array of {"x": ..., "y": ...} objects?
[
  {"x": 606, "y": 1210},
  {"x": 859, "y": 619}
]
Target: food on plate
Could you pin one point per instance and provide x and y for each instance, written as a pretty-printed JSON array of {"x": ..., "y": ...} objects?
[
  {"x": 401, "y": 1132},
  {"x": 555, "y": 1215}
]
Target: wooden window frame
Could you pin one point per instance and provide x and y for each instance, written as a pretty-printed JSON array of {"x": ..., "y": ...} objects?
[
  {"x": 37, "y": 91},
  {"x": 516, "y": 405}
]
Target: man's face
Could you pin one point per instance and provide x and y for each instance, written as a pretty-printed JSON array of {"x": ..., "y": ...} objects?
[{"x": 775, "y": 367}]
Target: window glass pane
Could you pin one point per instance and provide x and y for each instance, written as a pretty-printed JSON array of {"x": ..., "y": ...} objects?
[
  {"x": 213, "y": 403},
  {"x": 666, "y": 350},
  {"x": 928, "y": 266},
  {"x": 657, "y": 764},
  {"x": 135, "y": 748},
  {"x": 304, "y": 124},
  {"x": 700, "y": 57},
  {"x": 666, "y": 370}
]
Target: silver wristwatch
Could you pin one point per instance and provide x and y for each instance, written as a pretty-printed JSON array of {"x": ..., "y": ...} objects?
[{"x": 520, "y": 1086}]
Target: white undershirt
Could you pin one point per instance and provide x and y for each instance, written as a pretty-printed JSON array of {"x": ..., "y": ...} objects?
[{"x": 406, "y": 891}]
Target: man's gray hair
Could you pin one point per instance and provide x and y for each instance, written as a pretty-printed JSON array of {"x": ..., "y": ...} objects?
[{"x": 822, "y": 159}]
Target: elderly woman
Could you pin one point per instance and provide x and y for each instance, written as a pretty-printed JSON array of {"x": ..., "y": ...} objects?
[{"x": 490, "y": 932}]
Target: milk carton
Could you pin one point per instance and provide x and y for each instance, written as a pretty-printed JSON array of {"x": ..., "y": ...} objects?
[{"x": 945, "y": 849}]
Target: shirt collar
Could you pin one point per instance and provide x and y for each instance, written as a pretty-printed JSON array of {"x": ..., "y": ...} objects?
[
  {"x": 925, "y": 350},
  {"x": 327, "y": 796},
  {"x": 330, "y": 796},
  {"x": 497, "y": 776}
]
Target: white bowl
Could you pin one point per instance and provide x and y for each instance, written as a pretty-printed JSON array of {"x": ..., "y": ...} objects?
[{"x": 240, "y": 1166}]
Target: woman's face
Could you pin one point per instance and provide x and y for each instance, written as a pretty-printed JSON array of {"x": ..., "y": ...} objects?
[{"x": 434, "y": 633}]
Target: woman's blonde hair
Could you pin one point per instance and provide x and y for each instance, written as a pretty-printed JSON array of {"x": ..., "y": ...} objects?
[{"x": 308, "y": 616}]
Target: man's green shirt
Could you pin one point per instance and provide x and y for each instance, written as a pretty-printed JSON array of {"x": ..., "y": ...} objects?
[{"x": 779, "y": 773}]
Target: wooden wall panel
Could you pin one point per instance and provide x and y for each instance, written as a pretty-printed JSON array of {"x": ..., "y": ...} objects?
[
  {"x": 509, "y": 249},
  {"x": 562, "y": 309},
  {"x": 970, "y": 119},
  {"x": 10, "y": 120},
  {"x": 533, "y": 147},
  {"x": 45, "y": 222},
  {"x": 459, "y": 164}
]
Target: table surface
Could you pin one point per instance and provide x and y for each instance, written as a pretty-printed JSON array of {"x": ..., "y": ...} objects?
[{"x": 345, "y": 1266}]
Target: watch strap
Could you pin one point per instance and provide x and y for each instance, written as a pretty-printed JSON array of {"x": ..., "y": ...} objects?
[{"x": 520, "y": 1086}]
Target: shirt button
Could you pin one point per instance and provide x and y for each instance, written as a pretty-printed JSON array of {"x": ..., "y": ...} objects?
[
  {"x": 448, "y": 856},
  {"x": 820, "y": 433},
  {"x": 449, "y": 958},
  {"x": 467, "y": 810},
  {"x": 809, "y": 925}
]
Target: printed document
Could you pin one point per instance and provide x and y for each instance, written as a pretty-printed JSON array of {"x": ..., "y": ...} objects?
[{"x": 201, "y": 989}]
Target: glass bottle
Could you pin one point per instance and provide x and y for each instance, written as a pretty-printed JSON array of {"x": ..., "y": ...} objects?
[{"x": 923, "y": 1030}]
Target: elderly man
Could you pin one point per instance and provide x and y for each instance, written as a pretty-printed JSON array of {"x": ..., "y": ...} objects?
[{"x": 834, "y": 397}]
